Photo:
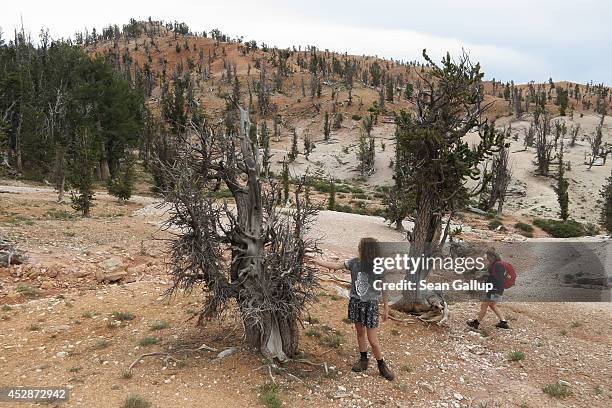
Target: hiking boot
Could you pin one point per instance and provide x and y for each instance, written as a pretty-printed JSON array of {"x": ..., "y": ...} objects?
[
  {"x": 502, "y": 324},
  {"x": 360, "y": 365},
  {"x": 473, "y": 323},
  {"x": 385, "y": 371}
]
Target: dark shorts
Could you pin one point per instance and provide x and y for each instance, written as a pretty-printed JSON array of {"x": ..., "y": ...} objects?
[
  {"x": 365, "y": 313},
  {"x": 492, "y": 297}
]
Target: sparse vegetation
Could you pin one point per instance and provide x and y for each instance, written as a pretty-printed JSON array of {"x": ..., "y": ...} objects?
[
  {"x": 565, "y": 229},
  {"x": 102, "y": 344},
  {"x": 136, "y": 401},
  {"x": 27, "y": 290},
  {"x": 557, "y": 390},
  {"x": 148, "y": 341},
  {"x": 122, "y": 316},
  {"x": 516, "y": 355},
  {"x": 270, "y": 396},
  {"x": 159, "y": 325}
]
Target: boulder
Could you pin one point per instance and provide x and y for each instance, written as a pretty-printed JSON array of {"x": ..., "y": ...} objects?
[{"x": 112, "y": 264}]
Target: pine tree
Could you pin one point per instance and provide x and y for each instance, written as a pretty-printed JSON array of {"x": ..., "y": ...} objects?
[
  {"x": 285, "y": 179},
  {"x": 606, "y": 212},
  {"x": 326, "y": 127},
  {"x": 81, "y": 164},
  {"x": 308, "y": 146},
  {"x": 389, "y": 90},
  {"x": 408, "y": 91},
  {"x": 293, "y": 154},
  {"x": 331, "y": 203},
  {"x": 122, "y": 184},
  {"x": 562, "y": 188}
]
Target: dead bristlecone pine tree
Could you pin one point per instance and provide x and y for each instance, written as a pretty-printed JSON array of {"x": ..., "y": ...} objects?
[{"x": 251, "y": 253}]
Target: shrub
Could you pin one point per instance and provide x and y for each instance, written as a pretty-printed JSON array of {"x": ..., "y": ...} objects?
[
  {"x": 516, "y": 355},
  {"x": 270, "y": 396},
  {"x": 523, "y": 227},
  {"x": 148, "y": 341},
  {"x": 62, "y": 215},
  {"x": 313, "y": 332},
  {"x": 557, "y": 390},
  {"x": 122, "y": 316},
  {"x": 136, "y": 401},
  {"x": 160, "y": 325},
  {"x": 356, "y": 117},
  {"x": 27, "y": 290},
  {"x": 565, "y": 229},
  {"x": 102, "y": 344},
  {"x": 333, "y": 339},
  {"x": 495, "y": 223}
]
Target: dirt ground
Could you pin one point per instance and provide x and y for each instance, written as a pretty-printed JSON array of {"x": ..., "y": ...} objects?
[{"x": 57, "y": 327}]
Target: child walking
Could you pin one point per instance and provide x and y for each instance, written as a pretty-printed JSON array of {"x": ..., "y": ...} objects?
[
  {"x": 494, "y": 296},
  {"x": 363, "y": 308}
]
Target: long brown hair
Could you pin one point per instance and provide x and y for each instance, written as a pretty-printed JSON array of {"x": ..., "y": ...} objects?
[{"x": 368, "y": 250}]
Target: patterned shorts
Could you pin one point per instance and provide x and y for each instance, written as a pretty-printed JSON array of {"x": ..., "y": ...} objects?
[{"x": 365, "y": 313}]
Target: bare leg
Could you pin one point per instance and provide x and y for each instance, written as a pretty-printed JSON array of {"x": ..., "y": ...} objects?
[
  {"x": 483, "y": 310},
  {"x": 496, "y": 310},
  {"x": 373, "y": 339},
  {"x": 361, "y": 337}
]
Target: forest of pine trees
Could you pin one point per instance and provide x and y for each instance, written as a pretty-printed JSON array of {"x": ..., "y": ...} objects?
[{"x": 59, "y": 106}]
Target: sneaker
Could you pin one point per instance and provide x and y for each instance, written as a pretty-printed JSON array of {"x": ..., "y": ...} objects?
[
  {"x": 360, "y": 365},
  {"x": 502, "y": 324},
  {"x": 473, "y": 323},
  {"x": 385, "y": 371}
]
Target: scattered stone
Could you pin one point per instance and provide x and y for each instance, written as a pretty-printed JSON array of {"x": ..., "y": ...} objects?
[
  {"x": 81, "y": 273},
  {"x": 112, "y": 264},
  {"x": 114, "y": 277}
]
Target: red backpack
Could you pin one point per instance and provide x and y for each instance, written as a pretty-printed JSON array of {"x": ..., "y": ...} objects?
[{"x": 509, "y": 275}]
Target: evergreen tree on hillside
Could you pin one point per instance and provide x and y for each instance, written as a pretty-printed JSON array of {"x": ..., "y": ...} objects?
[
  {"x": 326, "y": 127},
  {"x": 331, "y": 203},
  {"x": 437, "y": 161},
  {"x": 81, "y": 164},
  {"x": 122, "y": 184},
  {"x": 389, "y": 93},
  {"x": 285, "y": 180},
  {"x": 562, "y": 188},
  {"x": 293, "y": 154},
  {"x": 606, "y": 212}
]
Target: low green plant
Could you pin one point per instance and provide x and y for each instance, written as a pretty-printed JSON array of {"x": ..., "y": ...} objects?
[
  {"x": 557, "y": 390},
  {"x": 516, "y": 355},
  {"x": 148, "y": 341},
  {"x": 27, "y": 290},
  {"x": 122, "y": 316},
  {"x": 565, "y": 229},
  {"x": 270, "y": 396},
  {"x": 159, "y": 325},
  {"x": 136, "y": 401}
]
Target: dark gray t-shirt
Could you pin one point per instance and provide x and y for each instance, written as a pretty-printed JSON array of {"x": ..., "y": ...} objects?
[{"x": 362, "y": 282}]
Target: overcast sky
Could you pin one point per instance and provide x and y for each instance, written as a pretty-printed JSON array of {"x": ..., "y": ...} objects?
[{"x": 518, "y": 40}]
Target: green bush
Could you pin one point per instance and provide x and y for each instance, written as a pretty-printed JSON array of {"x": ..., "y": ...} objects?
[
  {"x": 356, "y": 117},
  {"x": 136, "y": 401},
  {"x": 557, "y": 390},
  {"x": 523, "y": 227},
  {"x": 516, "y": 355},
  {"x": 565, "y": 229},
  {"x": 270, "y": 396},
  {"x": 494, "y": 224}
]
